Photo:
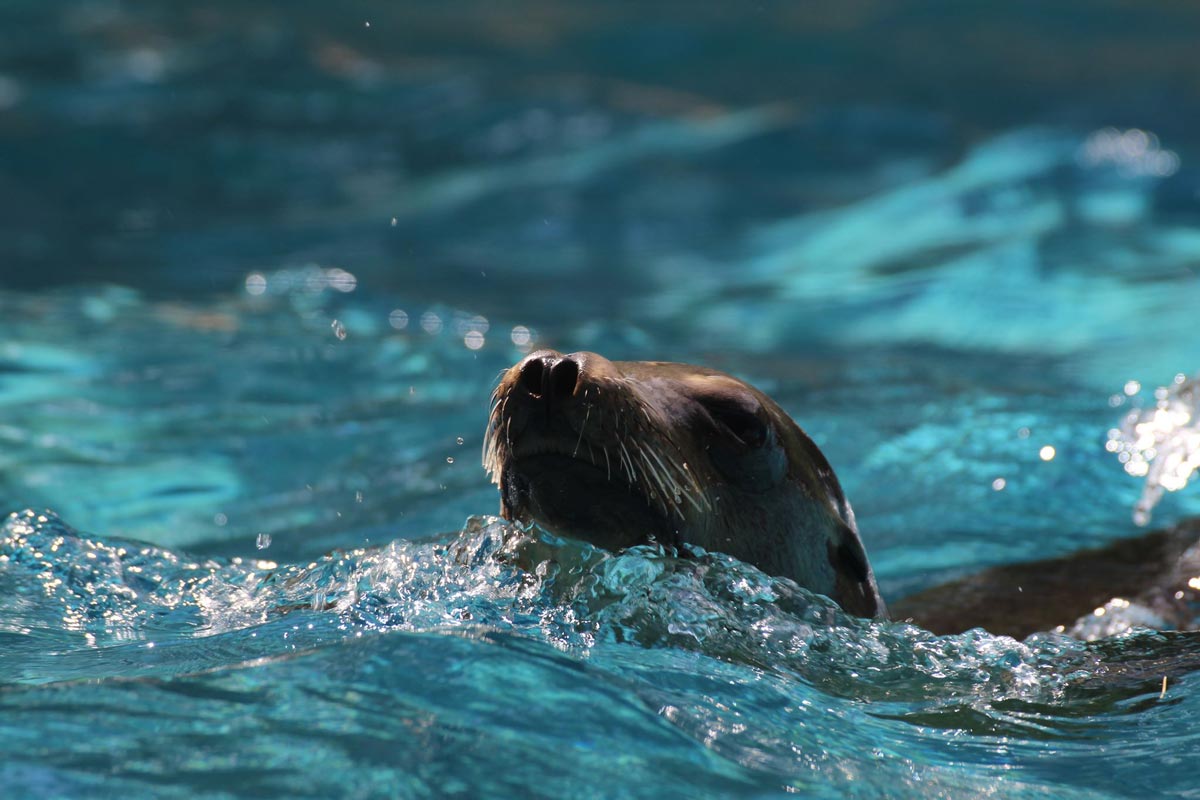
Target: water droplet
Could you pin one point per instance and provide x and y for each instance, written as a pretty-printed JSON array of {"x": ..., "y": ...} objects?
[
  {"x": 398, "y": 319},
  {"x": 1132, "y": 388},
  {"x": 341, "y": 280},
  {"x": 339, "y": 330},
  {"x": 1023, "y": 433},
  {"x": 220, "y": 519},
  {"x": 449, "y": 459},
  {"x": 459, "y": 440},
  {"x": 431, "y": 323},
  {"x": 1047, "y": 453},
  {"x": 256, "y": 283},
  {"x": 358, "y": 497},
  {"x": 262, "y": 541}
]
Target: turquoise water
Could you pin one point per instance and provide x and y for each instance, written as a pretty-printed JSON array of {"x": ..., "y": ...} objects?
[{"x": 261, "y": 270}]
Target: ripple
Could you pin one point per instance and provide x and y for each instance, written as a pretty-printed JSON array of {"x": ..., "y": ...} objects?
[{"x": 754, "y": 673}]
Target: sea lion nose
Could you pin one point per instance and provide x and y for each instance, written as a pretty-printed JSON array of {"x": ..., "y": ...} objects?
[{"x": 549, "y": 376}]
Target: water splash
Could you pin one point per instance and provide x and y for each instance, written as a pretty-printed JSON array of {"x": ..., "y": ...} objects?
[
  {"x": 700, "y": 649},
  {"x": 494, "y": 576},
  {"x": 1160, "y": 443}
]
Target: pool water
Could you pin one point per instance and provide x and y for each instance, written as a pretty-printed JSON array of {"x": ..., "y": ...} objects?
[{"x": 262, "y": 269}]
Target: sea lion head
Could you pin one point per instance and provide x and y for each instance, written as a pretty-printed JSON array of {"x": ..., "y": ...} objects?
[{"x": 618, "y": 453}]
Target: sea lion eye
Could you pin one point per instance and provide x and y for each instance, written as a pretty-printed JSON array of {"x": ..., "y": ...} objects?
[
  {"x": 743, "y": 447},
  {"x": 740, "y": 416}
]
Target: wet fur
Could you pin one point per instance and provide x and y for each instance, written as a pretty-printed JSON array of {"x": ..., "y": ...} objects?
[
  {"x": 637, "y": 450},
  {"x": 1159, "y": 570}
]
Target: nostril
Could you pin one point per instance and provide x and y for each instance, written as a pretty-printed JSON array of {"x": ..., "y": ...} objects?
[
  {"x": 532, "y": 375},
  {"x": 563, "y": 376},
  {"x": 549, "y": 378}
]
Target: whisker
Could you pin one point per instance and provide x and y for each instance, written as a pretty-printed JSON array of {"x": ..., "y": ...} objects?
[
  {"x": 628, "y": 462},
  {"x": 677, "y": 491},
  {"x": 581, "y": 429},
  {"x": 665, "y": 472},
  {"x": 489, "y": 441},
  {"x": 684, "y": 477},
  {"x": 693, "y": 492},
  {"x": 656, "y": 477}
]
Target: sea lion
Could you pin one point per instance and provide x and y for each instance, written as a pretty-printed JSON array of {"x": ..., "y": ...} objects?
[
  {"x": 618, "y": 453},
  {"x": 1158, "y": 571}
]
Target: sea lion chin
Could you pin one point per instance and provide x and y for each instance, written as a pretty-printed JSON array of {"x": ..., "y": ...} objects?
[{"x": 618, "y": 453}]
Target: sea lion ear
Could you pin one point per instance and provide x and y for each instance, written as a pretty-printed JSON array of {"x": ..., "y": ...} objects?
[
  {"x": 855, "y": 584},
  {"x": 852, "y": 559}
]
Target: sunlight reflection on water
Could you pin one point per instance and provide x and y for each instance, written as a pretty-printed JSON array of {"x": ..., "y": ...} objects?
[{"x": 1160, "y": 442}]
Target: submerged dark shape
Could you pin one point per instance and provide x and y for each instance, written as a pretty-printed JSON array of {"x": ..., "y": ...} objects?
[
  {"x": 621, "y": 452},
  {"x": 1159, "y": 571}
]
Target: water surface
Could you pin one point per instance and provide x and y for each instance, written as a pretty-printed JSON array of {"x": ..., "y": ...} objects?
[{"x": 262, "y": 268}]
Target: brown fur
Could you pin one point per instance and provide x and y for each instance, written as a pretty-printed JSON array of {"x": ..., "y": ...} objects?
[
  {"x": 617, "y": 453},
  {"x": 1155, "y": 570}
]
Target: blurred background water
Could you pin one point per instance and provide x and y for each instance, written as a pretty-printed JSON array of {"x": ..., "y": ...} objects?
[{"x": 260, "y": 265}]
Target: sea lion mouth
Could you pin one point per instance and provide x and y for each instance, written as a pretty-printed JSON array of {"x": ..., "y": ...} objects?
[{"x": 577, "y": 498}]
